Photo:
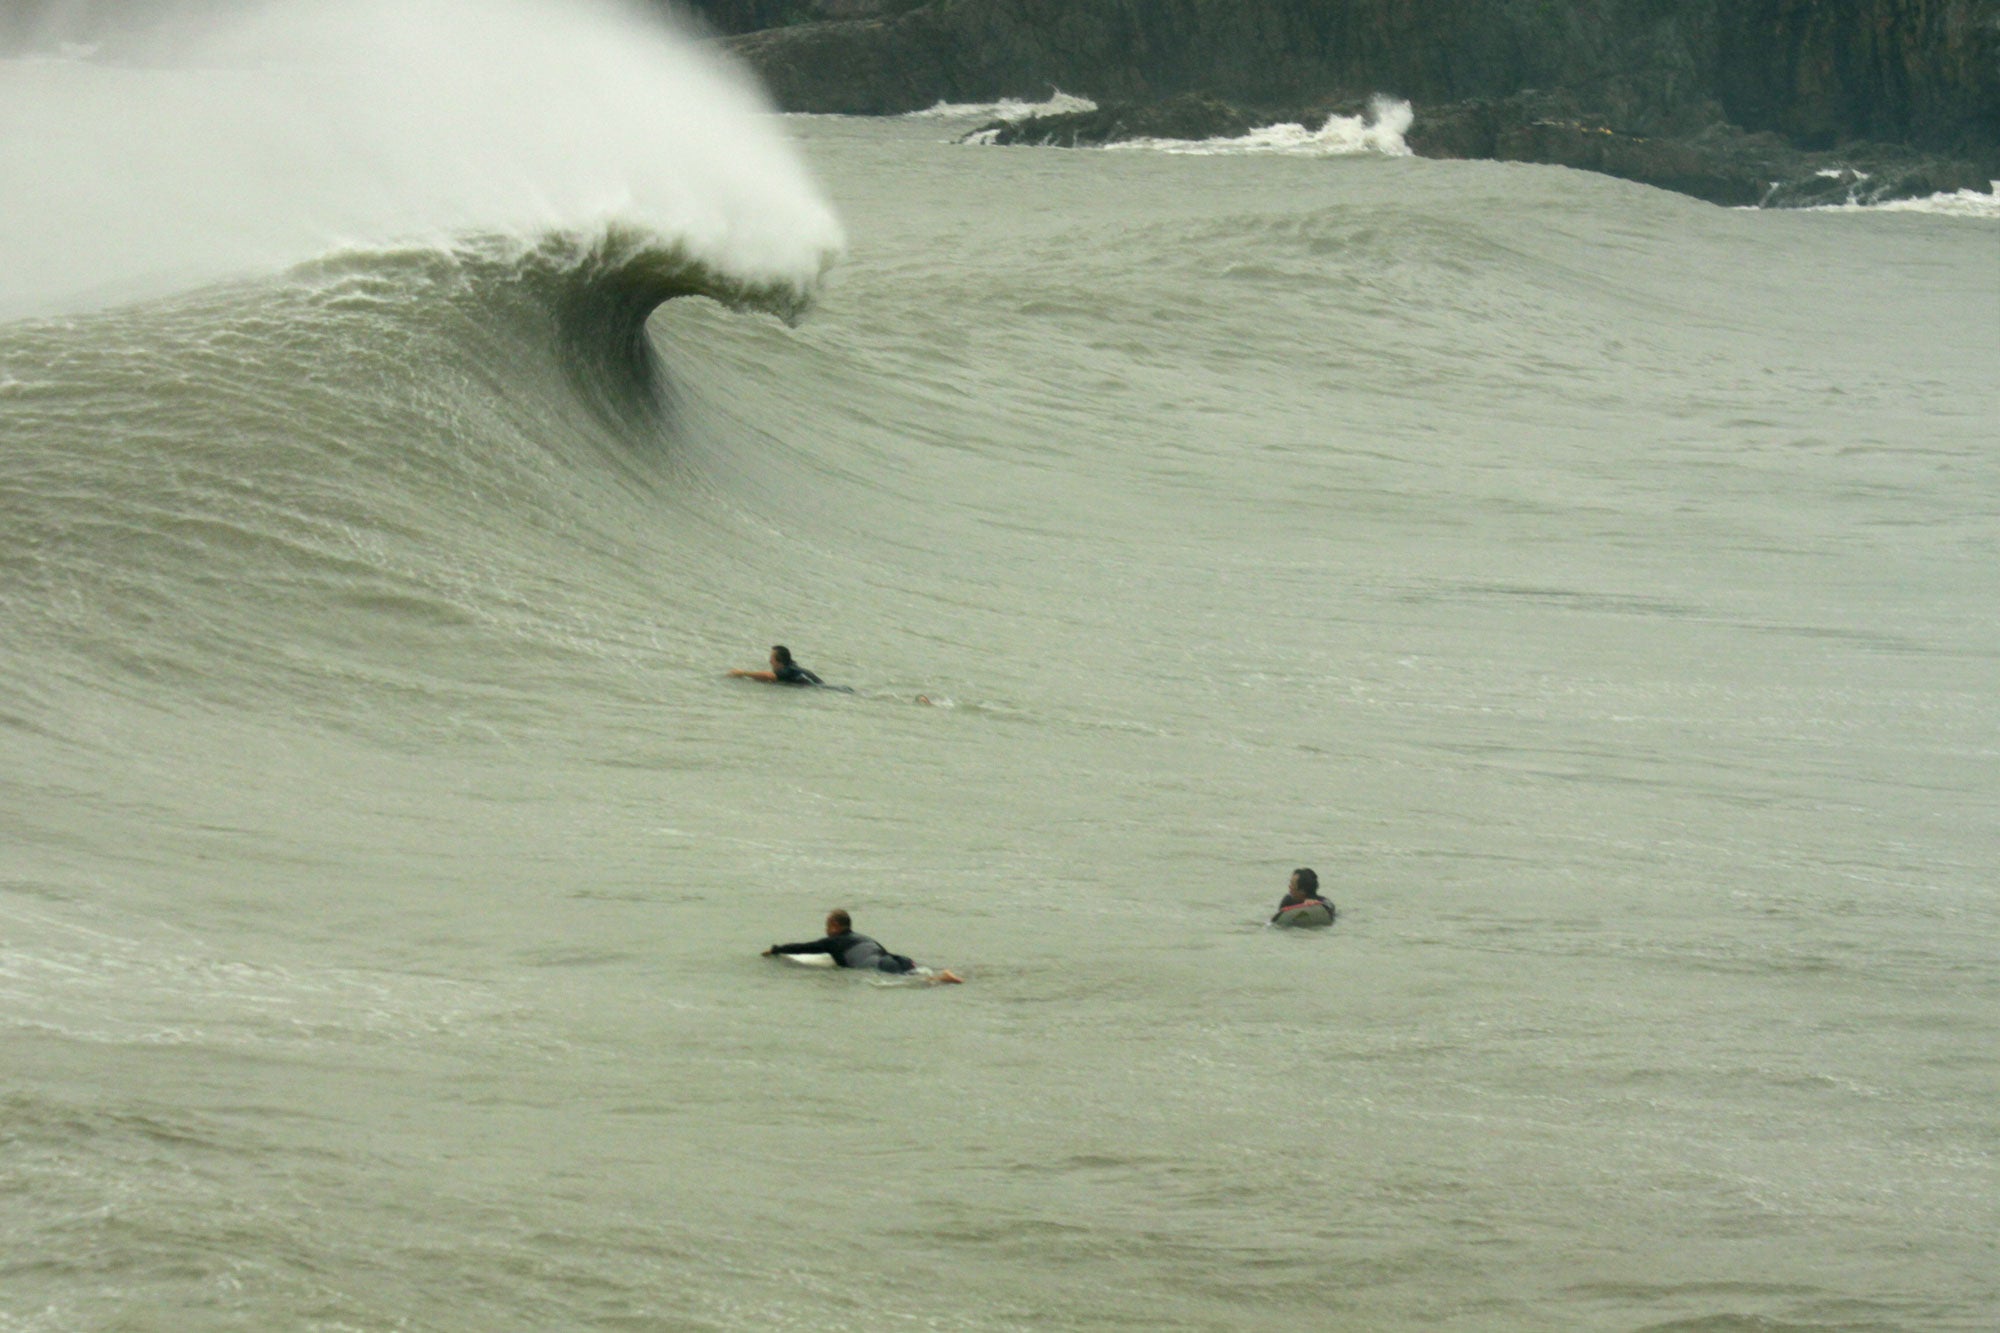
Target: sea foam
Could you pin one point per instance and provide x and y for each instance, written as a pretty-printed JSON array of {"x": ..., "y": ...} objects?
[
  {"x": 1380, "y": 131},
  {"x": 1058, "y": 103},
  {"x": 1952, "y": 203}
]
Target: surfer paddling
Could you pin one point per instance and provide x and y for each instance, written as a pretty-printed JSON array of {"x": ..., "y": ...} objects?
[
  {"x": 1303, "y": 889},
  {"x": 851, "y": 949},
  {"x": 784, "y": 671}
]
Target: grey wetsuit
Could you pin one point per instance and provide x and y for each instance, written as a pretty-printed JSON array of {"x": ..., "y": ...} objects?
[{"x": 852, "y": 949}]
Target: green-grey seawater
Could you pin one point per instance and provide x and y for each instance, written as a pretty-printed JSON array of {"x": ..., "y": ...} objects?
[{"x": 1595, "y": 586}]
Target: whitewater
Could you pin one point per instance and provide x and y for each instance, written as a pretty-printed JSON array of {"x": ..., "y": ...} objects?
[{"x": 409, "y": 414}]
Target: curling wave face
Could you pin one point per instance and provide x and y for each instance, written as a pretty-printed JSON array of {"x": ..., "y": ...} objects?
[{"x": 231, "y": 495}]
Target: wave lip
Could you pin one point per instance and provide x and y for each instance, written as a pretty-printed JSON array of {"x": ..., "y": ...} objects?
[{"x": 620, "y": 265}]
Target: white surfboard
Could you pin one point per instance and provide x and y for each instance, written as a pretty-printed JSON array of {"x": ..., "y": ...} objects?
[{"x": 809, "y": 959}]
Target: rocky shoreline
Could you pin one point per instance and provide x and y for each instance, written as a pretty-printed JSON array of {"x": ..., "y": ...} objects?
[
  {"x": 1739, "y": 102},
  {"x": 1720, "y": 164}
]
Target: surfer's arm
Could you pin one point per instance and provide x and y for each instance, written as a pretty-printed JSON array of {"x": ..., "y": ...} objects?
[
  {"x": 811, "y": 946},
  {"x": 753, "y": 675}
]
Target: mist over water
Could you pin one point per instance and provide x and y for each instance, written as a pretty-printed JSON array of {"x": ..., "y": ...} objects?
[{"x": 1593, "y": 585}]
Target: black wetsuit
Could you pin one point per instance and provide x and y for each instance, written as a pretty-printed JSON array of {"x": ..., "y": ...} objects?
[
  {"x": 794, "y": 674},
  {"x": 1286, "y": 901},
  {"x": 851, "y": 949}
]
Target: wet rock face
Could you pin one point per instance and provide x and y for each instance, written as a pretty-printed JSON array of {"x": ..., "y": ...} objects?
[
  {"x": 1818, "y": 71},
  {"x": 1823, "y": 72},
  {"x": 1188, "y": 116},
  {"x": 1717, "y": 98},
  {"x": 1720, "y": 163},
  {"x": 1267, "y": 52}
]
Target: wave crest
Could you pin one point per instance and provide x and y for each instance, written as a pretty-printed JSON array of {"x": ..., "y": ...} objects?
[
  {"x": 623, "y": 266},
  {"x": 306, "y": 126}
]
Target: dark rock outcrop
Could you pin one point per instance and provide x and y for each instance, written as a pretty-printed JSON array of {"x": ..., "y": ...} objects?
[
  {"x": 1188, "y": 116},
  {"x": 1636, "y": 55},
  {"x": 1824, "y": 72},
  {"x": 1722, "y": 164},
  {"x": 1720, "y": 98}
]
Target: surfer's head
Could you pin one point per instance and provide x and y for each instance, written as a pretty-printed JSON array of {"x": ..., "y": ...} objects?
[
  {"x": 1305, "y": 883},
  {"x": 781, "y": 656},
  {"x": 838, "y": 922}
]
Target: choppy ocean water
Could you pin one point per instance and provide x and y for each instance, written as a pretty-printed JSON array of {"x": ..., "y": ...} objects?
[{"x": 1594, "y": 585}]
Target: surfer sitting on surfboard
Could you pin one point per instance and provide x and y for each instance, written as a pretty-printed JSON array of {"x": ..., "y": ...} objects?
[
  {"x": 850, "y": 949},
  {"x": 1303, "y": 889}
]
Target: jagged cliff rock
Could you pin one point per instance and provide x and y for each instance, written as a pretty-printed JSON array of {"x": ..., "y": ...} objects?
[
  {"x": 1820, "y": 73},
  {"x": 1638, "y": 54},
  {"x": 1720, "y": 162},
  {"x": 1184, "y": 116}
]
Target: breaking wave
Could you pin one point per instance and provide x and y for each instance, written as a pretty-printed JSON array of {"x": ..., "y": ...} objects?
[{"x": 181, "y": 149}]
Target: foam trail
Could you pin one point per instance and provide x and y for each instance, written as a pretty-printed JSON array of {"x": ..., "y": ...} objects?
[{"x": 215, "y": 146}]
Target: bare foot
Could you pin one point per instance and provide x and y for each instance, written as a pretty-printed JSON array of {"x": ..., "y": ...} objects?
[{"x": 948, "y": 979}]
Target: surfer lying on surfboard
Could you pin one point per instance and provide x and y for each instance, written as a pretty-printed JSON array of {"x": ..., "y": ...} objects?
[
  {"x": 1303, "y": 889},
  {"x": 850, "y": 949},
  {"x": 784, "y": 671}
]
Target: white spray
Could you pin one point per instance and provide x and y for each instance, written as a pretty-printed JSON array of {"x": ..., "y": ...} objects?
[{"x": 217, "y": 145}]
